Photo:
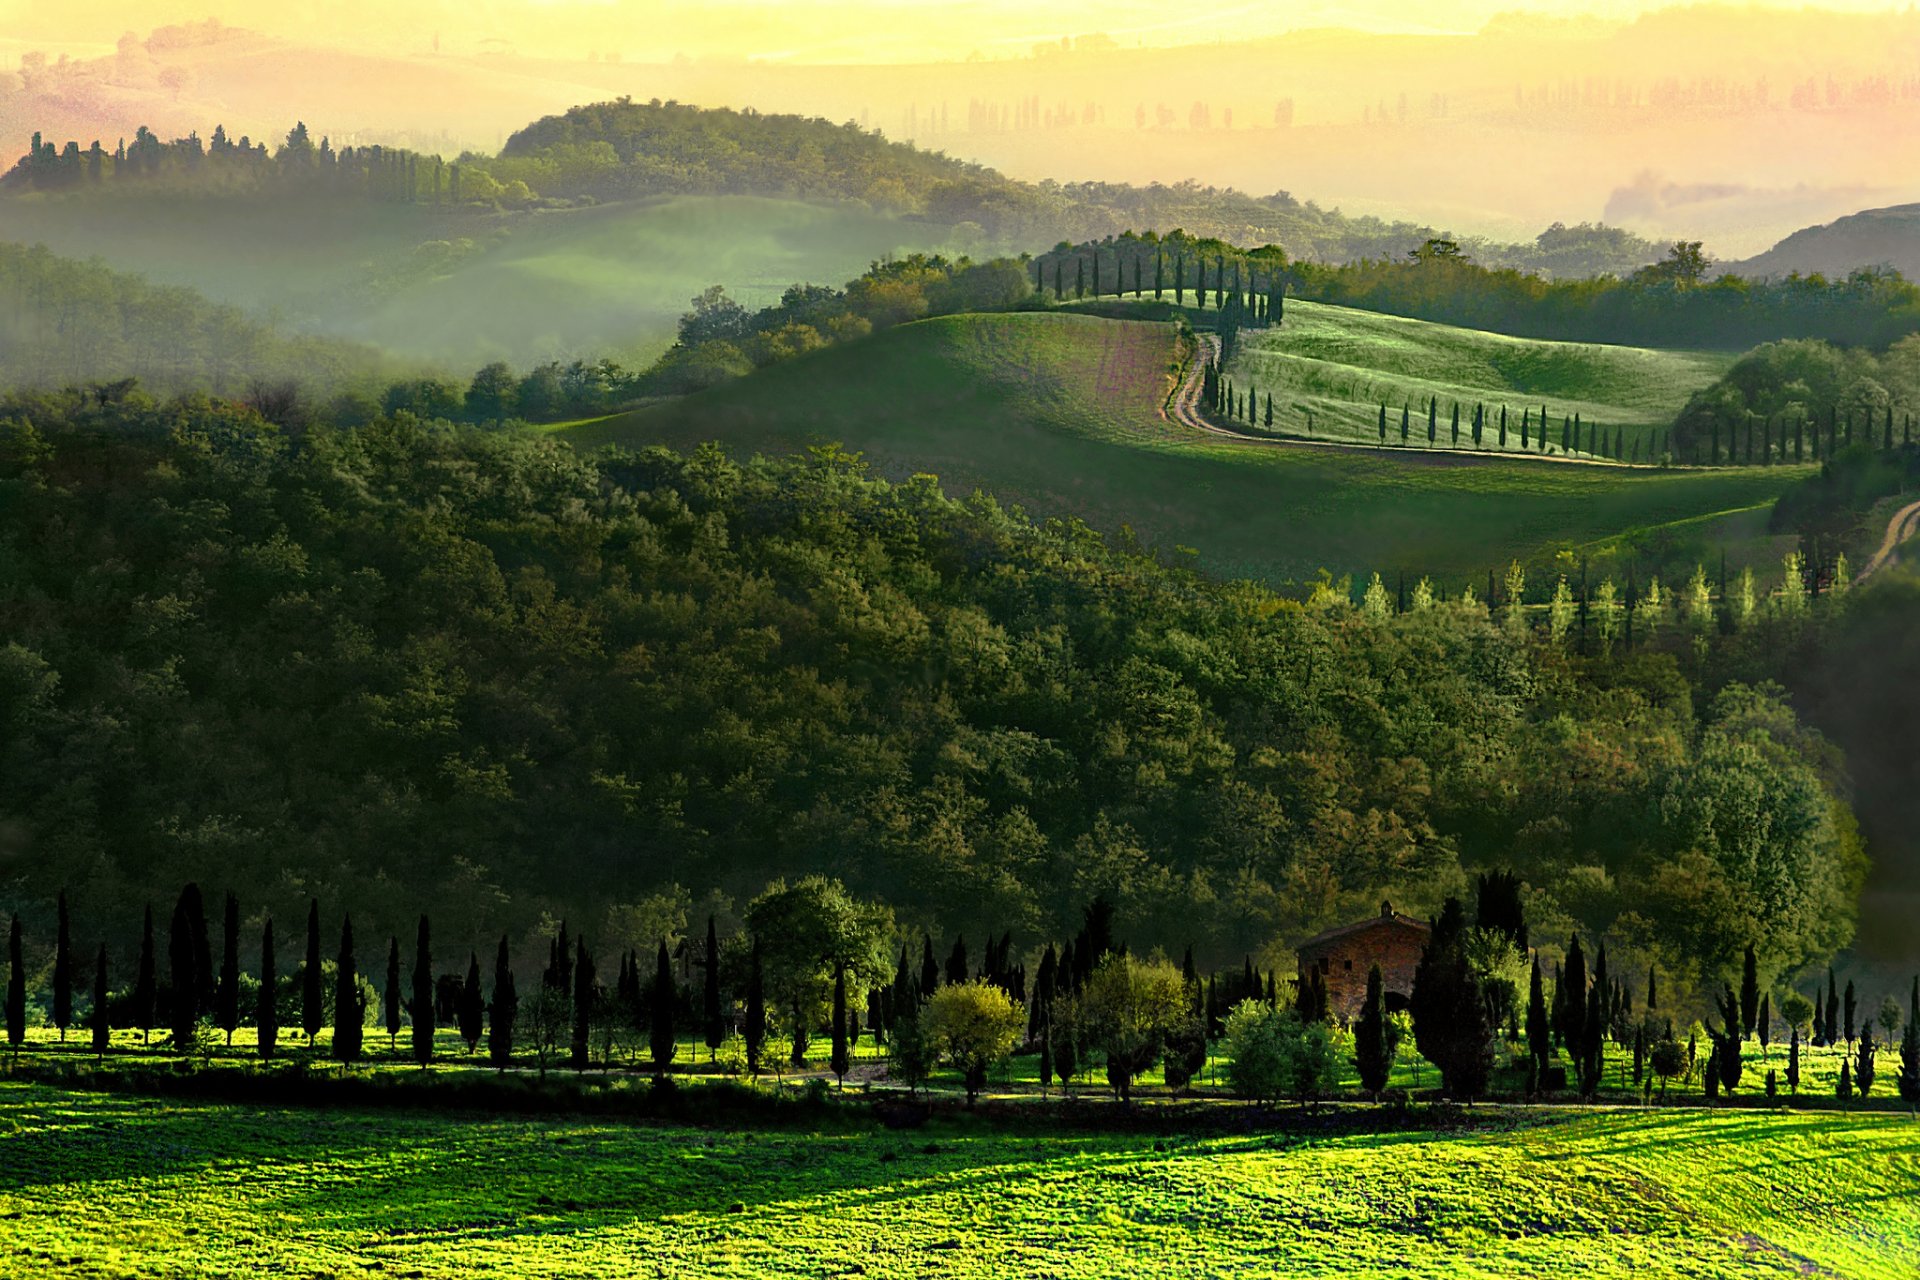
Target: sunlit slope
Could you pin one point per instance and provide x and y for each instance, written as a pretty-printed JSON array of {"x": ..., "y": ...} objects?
[
  {"x": 1060, "y": 414},
  {"x": 461, "y": 288},
  {"x": 1329, "y": 369}
]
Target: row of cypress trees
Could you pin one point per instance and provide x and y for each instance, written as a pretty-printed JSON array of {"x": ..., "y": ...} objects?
[{"x": 1262, "y": 301}]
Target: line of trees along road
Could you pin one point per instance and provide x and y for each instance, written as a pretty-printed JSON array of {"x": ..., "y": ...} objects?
[{"x": 812, "y": 962}]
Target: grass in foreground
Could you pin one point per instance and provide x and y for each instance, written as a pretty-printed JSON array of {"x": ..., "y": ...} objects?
[
  {"x": 97, "y": 1186},
  {"x": 1059, "y": 413}
]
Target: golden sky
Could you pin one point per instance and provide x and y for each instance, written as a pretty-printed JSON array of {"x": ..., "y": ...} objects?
[{"x": 793, "y": 30}]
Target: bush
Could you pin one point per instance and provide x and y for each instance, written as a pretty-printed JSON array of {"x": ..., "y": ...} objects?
[{"x": 1274, "y": 1054}]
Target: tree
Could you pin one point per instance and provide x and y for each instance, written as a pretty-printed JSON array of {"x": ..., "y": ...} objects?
[
  {"x": 421, "y": 1007},
  {"x": 145, "y": 982},
  {"x": 491, "y": 395},
  {"x": 184, "y": 973},
  {"x": 63, "y": 970},
  {"x": 226, "y": 1004},
  {"x": 585, "y": 993},
  {"x": 957, "y": 961},
  {"x": 1539, "y": 1034},
  {"x": 1449, "y": 1009},
  {"x": 16, "y": 989},
  {"x": 1272, "y": 1053},
  {"x": 266, "y": 1018},
  {"x": 1129, "y": 1008},
  {"x": 1592, "y": 1056},
  {"x": 1852, "y": 1007},
  {"x": 473, "y": 1005},
  {"x": 97, "y": 1015},
  {"x": 1570, "y": 993},
  {"x": 838, "y": 1060},
  {"x": 1749, "y": 983},
  {"x": 755, "y": 1029},
  {"x": 911, "y": 1053},
  {"x": 716, "y": 1026},
  {"x": 805, "y": 930},
  {"x": 1726, "y": 1058},
  {"x": 1374, "y": 1045},
  {"x": 349, "y": 1013},
  {"x": 391, "y": 995},
  {"x": 502, "y": 1010},
  {"x": 312, "y": 1015},
  {"x": 1668, "y": 1060},
  {"x": 973, "y": 1026},
  {"x": 1863, "y": 1073},
  {"x": 1910, "y": 1051},
  {"x": 1793, "y": 1059},
  {"x": 662, "y": 1040}
]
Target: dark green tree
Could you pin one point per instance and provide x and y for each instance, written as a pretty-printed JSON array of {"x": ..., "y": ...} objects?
[
  {"x": 421, "y": 1007},
  {"x": 1373, "y": 1047},
  {"x": 1863, "y": 1073},
  {"x": 585, "y": 993},
  {"x": 1910, "y": 1050},
  {"x": 503, "y": 1011},
  {"x": 16, "y": 989},
  {"x": 312, "y": 998},
  {"x": 146, "y": 981},
  {"x": 1793, "y": 1060},
  {"x": 266, "y": 1017},
  {"x": 1449, "y": 1010},
  {"x": 1539, "y": 1032},
  {"x": 97, "y": 1016},
  {"x": 63, "y": 970},
  {"x": 662, "y": 1039},
  {"x": 1749, "y": 971},
  {"x": 716, "y": 1026},
  {"x": 755, "y": 1030},
  {"x": 1571, "y": 993},
  {"x": 184, "y": 975},
  {"x": 226, "y": 1004},
  {"x": 839, "y": 1061},
  {"x": 1851, "y": 1008},
  {"x": 473, "y": 1005},
  {"x": 390, "y": 997},
  {"x": 929, "y": 970},
  {"x": 349, "y": 1008}
]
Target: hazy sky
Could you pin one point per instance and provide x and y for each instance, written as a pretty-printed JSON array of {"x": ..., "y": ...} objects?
[{"x": 807, "y": 30}]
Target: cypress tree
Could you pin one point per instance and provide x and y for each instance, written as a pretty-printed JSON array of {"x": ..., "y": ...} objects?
[
  {"x": 1844, "y": 1090},
  {"x": 503, "y": 1010},
  {"x": 1433, "y": 418},
  {"x": 839, "y": 1061},
  {"x": 184, "y": 977},
  {"x": 662, "y": 1039},
  {"x": 226, "y": 1013},
  {"x": 102, "y": 1032},
  {"x": 1593, "y": 1038},
  {"x": 1851, "y": 1008},
  {"x": 16, "y": 989},
  {"x": 1749, "y": 968},
  {"x": 145, "y": 982},
  {"x": 1793, "y": 1060},
  {"x": 63, "y": 971},
  {"x": 1572, "y": 1027},
  {"x": 1179, "y": 280},
  {"x": 583, "y": 994},
  {"x": 311, "y": 1015},
  {"x": 904, "y": 997},
  {"x": 349, "y": 1012},
  {"x": 391, "y": 995},
  {"x": 957, "y": 962},
  {"x": 929, "y": 971},
  {"x": 755, "y": 1029},
  {"x": 1910, "y": 1050},
  {"x": 710, "y": 1001},
  {"x": 1539, "y": 1035},
  {"x": 1373, "y": 1052},
  {"x": 421, "y": 1006},
  {"x": 1159, "y": 277},
  {"x": 1405, "y": 411},
  {"x": 1383, "y": 422},
  {"x": 473, "y": 1005},
  {"x": 1456, "y": 423},
  {"x": 266, "y": 1018},
  {"x": 1765, "y": 1026},
  {"x": 1862, "y": 1076},
  {"x": 1079, "y": 277}
]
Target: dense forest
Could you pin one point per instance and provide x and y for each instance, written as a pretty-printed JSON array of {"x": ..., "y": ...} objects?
[
  {"x": 624, "y": 150},
  {"x": 580, "y": 686}
]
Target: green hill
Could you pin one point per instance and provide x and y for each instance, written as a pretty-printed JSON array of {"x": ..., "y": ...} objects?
[
  {"x": 1329, "y": 369},
  {"x": 1061, "y": 414}
]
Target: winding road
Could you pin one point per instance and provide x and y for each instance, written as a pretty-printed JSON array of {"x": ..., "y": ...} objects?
[{"x": 1905, "y": 524}]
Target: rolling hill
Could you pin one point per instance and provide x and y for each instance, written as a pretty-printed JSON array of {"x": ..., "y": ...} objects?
[
  {"x": 1060, "y": 413},
  {"x": 1330, "y": 368},
  {"x": 1887, "y": 237}
]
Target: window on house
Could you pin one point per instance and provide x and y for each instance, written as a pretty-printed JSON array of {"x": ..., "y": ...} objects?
[
  {"x": 1325, "y": 964},
  {"x": 1349, "y": 966}
]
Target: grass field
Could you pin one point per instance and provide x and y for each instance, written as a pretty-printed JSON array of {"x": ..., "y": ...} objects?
[
  {"x": 1060, "y": 413},
  {"x": 98, "y": 1185},
  {"x": 463, "y": 288},
  {"x": 1329, "y": 369}
]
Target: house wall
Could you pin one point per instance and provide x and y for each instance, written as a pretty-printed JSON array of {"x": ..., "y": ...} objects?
[{"x": 1343, "y": 963}]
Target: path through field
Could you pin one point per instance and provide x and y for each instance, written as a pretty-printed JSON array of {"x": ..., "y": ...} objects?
[{"x": 1905, "y": 524}]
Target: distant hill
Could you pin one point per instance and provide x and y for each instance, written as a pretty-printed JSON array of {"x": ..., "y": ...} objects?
[
  {"x": 1887, "y": 237},
  {"x": 1060, "y": 413}
]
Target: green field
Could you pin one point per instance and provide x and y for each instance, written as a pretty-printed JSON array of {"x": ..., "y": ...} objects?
[
  {"x": 1060, "y": 414},
  {"x": 1329, "y": 369},
  {"x": 123, "y": 1186},
  {"x": 462, "y": 288}
]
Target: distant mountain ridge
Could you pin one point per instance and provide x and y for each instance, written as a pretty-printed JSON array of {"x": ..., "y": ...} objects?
[{"x": 1887, "y": 237}]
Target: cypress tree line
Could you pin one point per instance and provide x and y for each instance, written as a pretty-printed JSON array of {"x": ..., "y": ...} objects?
[
  {"x": 226, "y": 1013},
  {"x": 102, "y": 1032},
  {"x": 311, "y": 1018},
  {"x": 63, "y": 970},
  {"x": 16, "y": 989},
  {"x": 583, "y": 994},
  {"x": 390, "y": 995},
  {"x": 473, "y": 1004},
  {"x": 266, "y": 1017},
  {"x": 145, "y": 982},
  {"x": 1593, "y": 1036},
  {"x": 755, "y": 1030},
  {"x": 421, "y": 1006},
  {"x": 710, "y": 996},
  {"x": 503, "y": 1010},
  {"x": 349, "y": 1010},
  {"x": 839, "y": 1061},
  {"x": 662, "y": 1040}
]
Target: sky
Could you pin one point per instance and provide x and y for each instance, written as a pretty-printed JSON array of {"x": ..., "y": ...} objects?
[{"x": 791, "y": 30}]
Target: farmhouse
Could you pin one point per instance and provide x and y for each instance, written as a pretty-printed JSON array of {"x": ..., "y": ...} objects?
[{"x": 1342, "y": 957}]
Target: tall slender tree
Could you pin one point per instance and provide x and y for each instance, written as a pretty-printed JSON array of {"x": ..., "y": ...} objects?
[
  {"x": 1373, "y": 1046},
  {"x": 1910, "y": 1050},
  {"x": 349, "y": 1007},
  {"x": 1539, "y": 1033},
  {"x": 473, "y": 1004},
  {"x": 716, "y": 1027},
  {"x": 664, "y": 1040},
  {"x": 1852, "y": 1004},
  {"x": 146, "y": 981},
  {"x": 16, "y": 989},
  {"x": 929, "y": 969},
  {"x": 421, "y": 1006},
  {"x": 584, "y": 992},
  {"x": 839, "y": 1061},
  {"x": 390, "y": 996},
  {"x": 503, "y": 1010},
  {"x": 312, "y": 1016},
  {"x": 98, "y": 1015},
  {"x": 63, "y": 969},
  {"x": 184, "y": 977},
  {"x": 226, "y": 1010},
  {"x": 1749, "y": 968},
  {"x": 266, "y": 1015},
  {"x": 755, "y": 1030}
]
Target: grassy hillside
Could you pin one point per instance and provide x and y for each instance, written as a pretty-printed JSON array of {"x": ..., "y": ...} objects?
[
  {"x": 465, "y": 287},
  {"x": 1330, "y": 368},
  {"x": 193, "y": 1190},
  {"x": 1061, "y": 413}
]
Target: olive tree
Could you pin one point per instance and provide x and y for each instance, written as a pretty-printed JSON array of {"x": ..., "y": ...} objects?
[{"x": 973, "y": 1026}]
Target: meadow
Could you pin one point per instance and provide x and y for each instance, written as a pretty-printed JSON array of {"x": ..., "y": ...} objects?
[
  {"x": 107, "y": 1185},
  {"x": 1061, "y": 414},
  {"x": 1330, "y": 368}
]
